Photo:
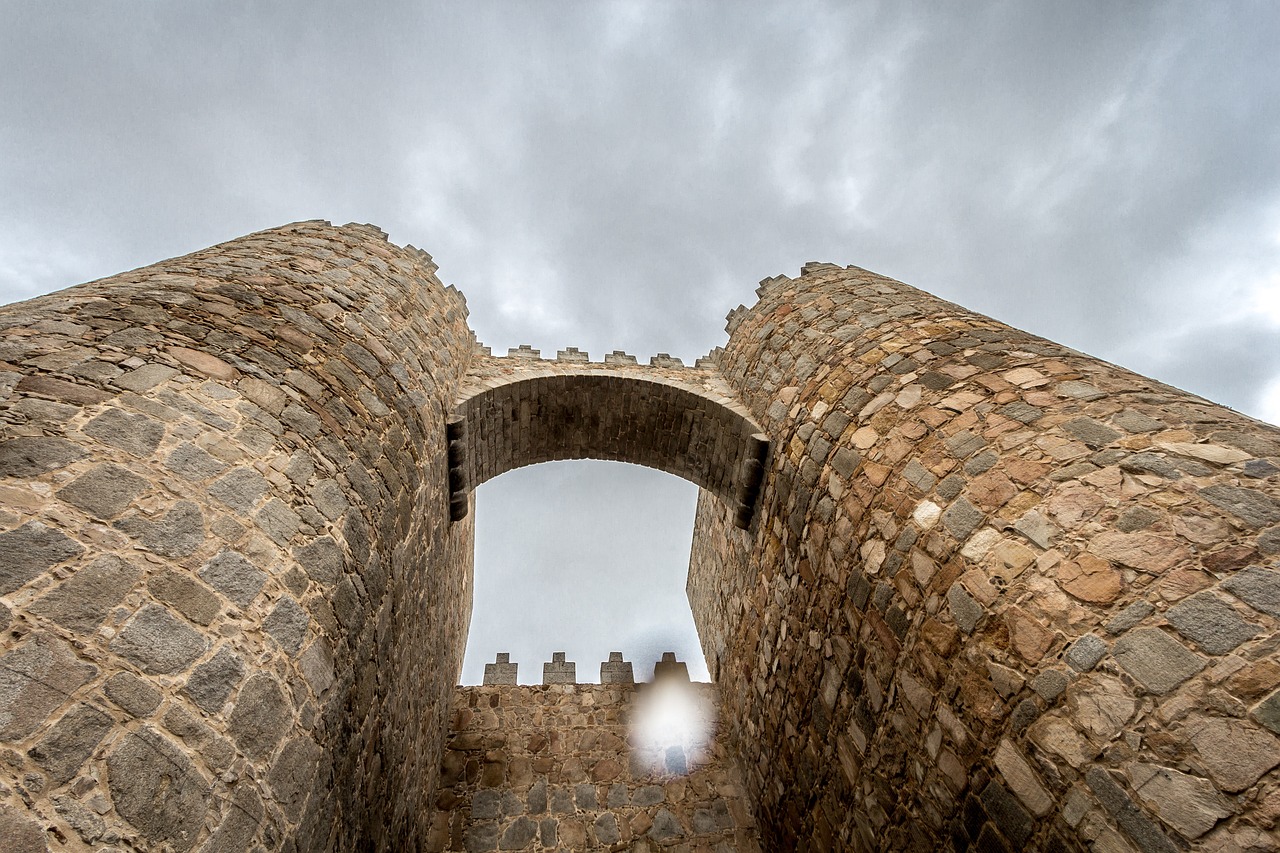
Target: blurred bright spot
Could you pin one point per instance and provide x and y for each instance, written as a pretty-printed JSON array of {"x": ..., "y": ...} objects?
[{"x": 673, "y": 725}]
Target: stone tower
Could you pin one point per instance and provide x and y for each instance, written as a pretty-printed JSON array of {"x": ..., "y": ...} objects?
[{"x": 958, "y": 586}]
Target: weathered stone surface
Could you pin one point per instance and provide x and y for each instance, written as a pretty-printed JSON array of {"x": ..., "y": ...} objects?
[
  {"x": 1023, "y": 781},
  {"x": 177, "y": 533},
  {"x": 86, "y": 824},
  {"x": 1159, "y": 662},
  {"x": 1188, "y": 804},
  {"x": 20, "y": 830},
  {"x": 322, "y": 560},
  {"x": 1257, "y": 587},
  {"x": 159, "y": 642},
  {"x": 1084, "y": 653},
  {"x": 104, "y": 491},
  {"x": 234, "y": 576},
  {"x": 287, "y": 624},
  {"x": 212, "y": 681},
  {"x": 33, "y": 455},
  {"x": 1091, "y": 432},
  {"x": 1250, "y": 505},
  {"x": 240, "y": 824},
  {"x": 261, "y": 716},
  {"x": 961, "y": 518},
  {"x": 192, "y": 463},
  {"x": 31, "y": 550},
  {"x": 186, "y": 595},
  {"x": 1145, "y": 832},
  {"x": 82, "y": 601},
  {"x": 132, "y": 693},
  {"x": 1210, "y": 623},
  {"x": 134, "y": 433},
  {"x": 71, "y": 742},
  {"x": 240, "y": 488},
  {"x": 37, "y": 677},
  {"x": 1234, "y": 752},
  {"x": 156, "y": 788},
  {"x": 1150, "y": 552},
  {"x": 1130, "y": 616},
  {"x": 1089, "y": 578},
  {"x": 293, "y": 776},
  {"x": 278, "y": 521},
  {"x": 519, "y": 834},
  {"x": 665, "y": 825}
]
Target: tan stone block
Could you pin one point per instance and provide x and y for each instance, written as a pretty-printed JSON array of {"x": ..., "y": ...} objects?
[
  {"x": 1089, "y": 578},
  {"x": 209, "y": 365},
  {"x": 1146, "y": 551},
  {"x": 1022, "y": 780},
  {"x": 1028, "y": 637}
]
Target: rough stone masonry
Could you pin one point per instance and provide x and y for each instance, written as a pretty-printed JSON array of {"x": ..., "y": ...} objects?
[{"x": 958, "y": 586}]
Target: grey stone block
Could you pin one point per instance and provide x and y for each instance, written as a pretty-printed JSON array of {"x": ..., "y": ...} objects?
[
  {"x": 606, "y": 829},
  {"x": 157, "y": 789},
  {"x": 278, "y": 521},
  {"x": 234, "y": 576},
  {"x": 240, "y": 822},
  {"x": 616, "y": 671},
  {"x": 261, "y": 716},
  {"x": 104, "y": 491},
  {"x": 1007, "y": 813},
  {"x": 1091, "y": 432},
  {"x": 159, "y": 642},
  {"x": 35, "y": 679},
  {"x": 584, "y": 796},
  {"x": 71, "y": 741},
  {"x": 1049, "y": 684},
  {"x": 287, "y": 624},
  {"x": 177, "y": 533},
  {"x": 187, "y": 595},
  {"x": 648, "y": 795},
  {"x": 1145, "y": 832},
  {"x": 559, "y": 671},
  {"x": 293, "y": 775},
  {"x": 132, "y": 693},
  {"x": 964, "y": 609},
  {"x": 1130, "y": 616},
  {"x": 1085, "y": 653},
  {"x": 1257, "y": 587},
  {"x": 1136, "y": 422},
  {"x": 240, "y": 488},
  {"x": 964, "y": 444},
  {"x": 132, "y": 433},
  {"x": 82, "y": 601},
  {"x": 962, "y": 518},
  {"x": 1210, "y": 623},
  {"x": 192, "y": 463},
  {"x": 86, "y": 824},
  {"x": 322, "y": 560},
  {"x": 1157, "y": 661},
  {"x": 1020, "y": 411},
  {"x": 665, "y": 825},
  {"x": 31, "y": 456},
  {"x": 31, "y": 550},
  {"x": 502, "y": 671},
  {"x": 1250, "y": 505},
  {"x": 1150, "y": 463},
  {"x": 212, "y": 681}
]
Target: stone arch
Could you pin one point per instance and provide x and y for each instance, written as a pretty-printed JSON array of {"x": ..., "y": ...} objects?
[{"x": 648, "y": 416}]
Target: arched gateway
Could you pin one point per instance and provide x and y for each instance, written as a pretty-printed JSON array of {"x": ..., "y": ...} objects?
[{"x": 959, "y": 586}]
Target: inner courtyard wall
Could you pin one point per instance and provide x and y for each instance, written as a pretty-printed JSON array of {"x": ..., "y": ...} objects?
[
  {"x": 567, "y": 767},
  {"x": 997, "y": 594}
]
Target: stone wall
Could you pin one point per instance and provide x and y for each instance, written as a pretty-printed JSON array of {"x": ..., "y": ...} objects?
[
  {"x": 990, "y": 592},
  {"x": 234, "y": 607},
  {"x": 560, "y": 767},
  {"x": 998, "y": 594}
]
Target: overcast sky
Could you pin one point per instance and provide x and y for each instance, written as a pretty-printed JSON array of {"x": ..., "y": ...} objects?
[{"x": 614, "y": 175}]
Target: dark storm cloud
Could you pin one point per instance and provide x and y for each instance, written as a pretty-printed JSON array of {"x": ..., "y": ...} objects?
[{"x": 620, "y": 175}]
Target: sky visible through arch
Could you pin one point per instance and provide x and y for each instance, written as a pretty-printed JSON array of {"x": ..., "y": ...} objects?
[{"x": 618, "y": 175}]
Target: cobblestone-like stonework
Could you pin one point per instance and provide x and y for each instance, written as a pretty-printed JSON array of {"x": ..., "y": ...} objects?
[
  {"x": 560, "y": 767},
  {"x": 984, "y": 591},
  {"x": 221, "y": 483},
  {"x": 998, "y": 594}
]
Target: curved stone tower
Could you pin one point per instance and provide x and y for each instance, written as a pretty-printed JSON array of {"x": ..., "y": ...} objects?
[{"x": 958, "y": 586}]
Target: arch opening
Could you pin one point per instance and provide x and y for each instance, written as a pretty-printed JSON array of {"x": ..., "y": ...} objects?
[{"x": 547, "y": 581}]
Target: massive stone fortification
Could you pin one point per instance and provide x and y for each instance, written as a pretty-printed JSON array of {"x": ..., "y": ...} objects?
[{"x": 958, "y": 586}]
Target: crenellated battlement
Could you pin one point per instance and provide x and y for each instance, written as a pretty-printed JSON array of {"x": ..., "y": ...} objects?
[{"x": 615, "y": 670}]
